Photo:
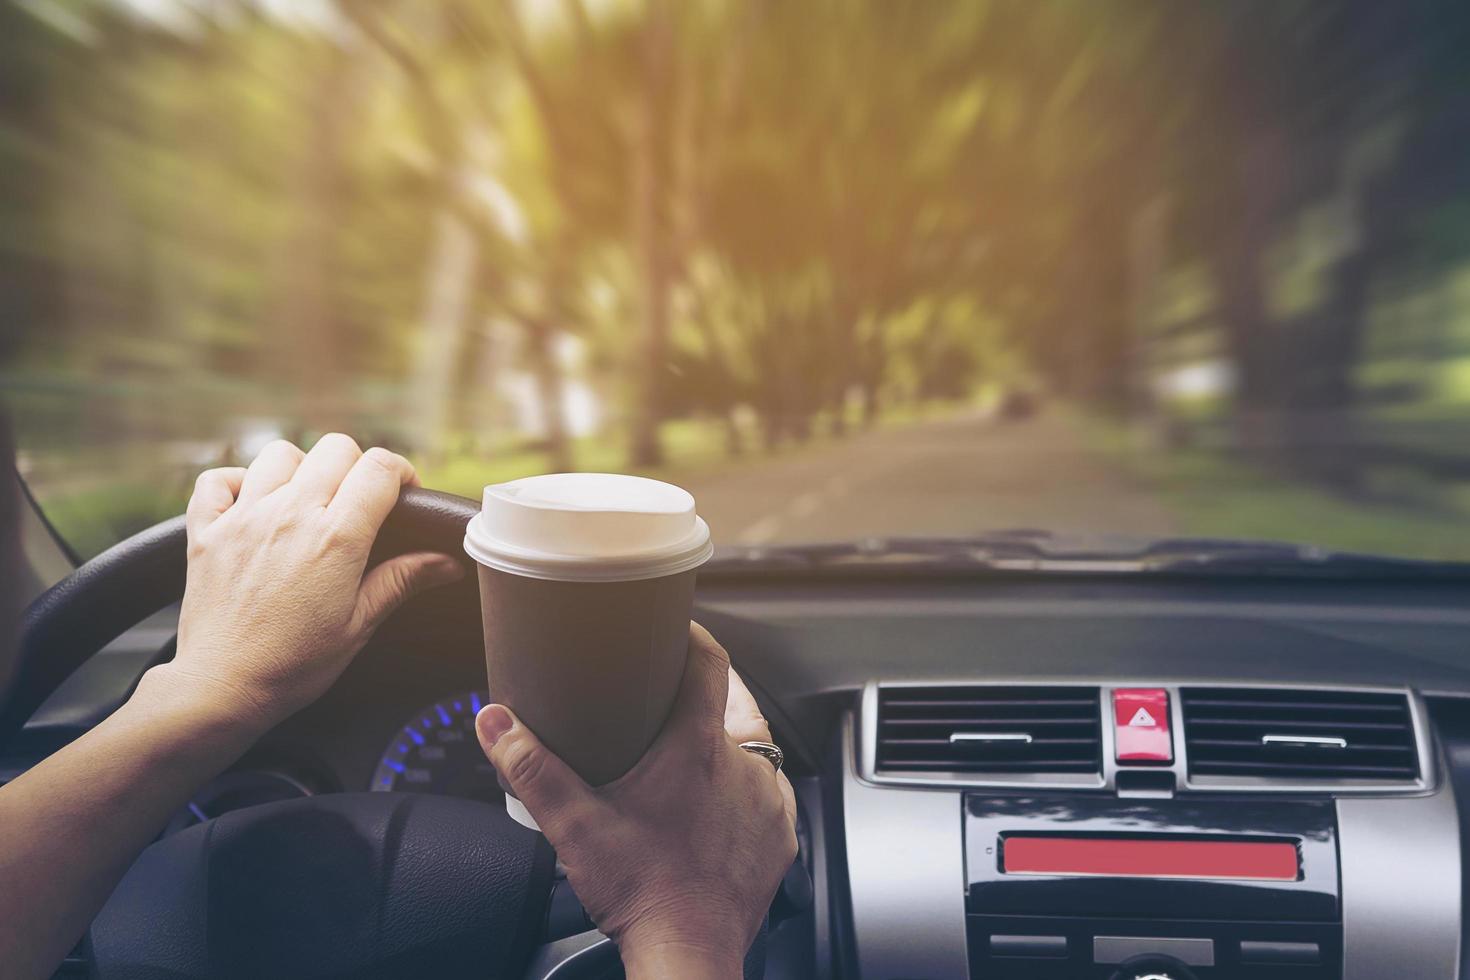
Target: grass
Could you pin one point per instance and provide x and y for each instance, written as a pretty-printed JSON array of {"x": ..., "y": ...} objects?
[
  {"x": 1214, "y": 495},
  {"x": 91, "y": 515},
  {"x": 690, "y": 446}
]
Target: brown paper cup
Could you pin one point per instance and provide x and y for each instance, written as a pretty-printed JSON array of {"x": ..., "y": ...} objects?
[
  {"x": 591, "y": 667},
  {"x": 586, "y": 588}
]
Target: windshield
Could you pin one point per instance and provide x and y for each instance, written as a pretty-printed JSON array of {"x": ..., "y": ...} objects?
[{"x": 843, "y": 269}]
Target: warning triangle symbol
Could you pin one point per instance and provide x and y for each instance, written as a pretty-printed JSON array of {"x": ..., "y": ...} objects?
[{"x": 1142, "y": 719}]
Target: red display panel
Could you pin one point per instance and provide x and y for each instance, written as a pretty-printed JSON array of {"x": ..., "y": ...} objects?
[{"x": 1150, "y": 857}]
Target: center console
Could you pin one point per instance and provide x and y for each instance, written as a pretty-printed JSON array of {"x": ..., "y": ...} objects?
[
  {"x": 1073, "y": 887},
  {"x": 1038, "y": 855}
]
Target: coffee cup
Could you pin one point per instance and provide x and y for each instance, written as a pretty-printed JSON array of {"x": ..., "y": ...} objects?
[{"x": 586, "y": 591}]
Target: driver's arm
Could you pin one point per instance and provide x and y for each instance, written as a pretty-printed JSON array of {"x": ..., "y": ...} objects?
[{"x": 278, "y": 600}]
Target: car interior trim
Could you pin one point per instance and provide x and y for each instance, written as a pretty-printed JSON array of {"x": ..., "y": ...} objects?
[
  {"x": 1401, "y": 895},
  {"x": 905, "y": 868},
  {"x": 1179, "y": 767}
]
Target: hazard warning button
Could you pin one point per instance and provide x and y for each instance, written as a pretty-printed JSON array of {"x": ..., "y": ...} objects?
[{"x": 1141, "y": 725}]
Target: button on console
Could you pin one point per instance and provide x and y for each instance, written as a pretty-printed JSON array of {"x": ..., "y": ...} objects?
[
  {"x": 1141, "y": 725},
  {"x": 1255, "y": 951},
  {"x": 1037, "y": 946}
]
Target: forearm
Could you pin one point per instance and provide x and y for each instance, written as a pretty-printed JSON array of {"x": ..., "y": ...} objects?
[{"x": 75, "y": 823}]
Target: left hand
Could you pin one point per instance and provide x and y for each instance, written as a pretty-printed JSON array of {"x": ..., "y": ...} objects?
[{"x": 278, "y": 599}]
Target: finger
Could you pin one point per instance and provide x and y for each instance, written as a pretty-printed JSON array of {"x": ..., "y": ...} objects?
[
  {"x": 546, "y": 785},
  {"x": 214, "y": 493},
  {"x": 324, "y": 468},
  {"x": 370, "y": 490},
  {"x": 271, "y": 469},
  {"x": 391, "y": 583},
  {"x": 743, "y": 719},
  {"x": 704, "y": 690}
]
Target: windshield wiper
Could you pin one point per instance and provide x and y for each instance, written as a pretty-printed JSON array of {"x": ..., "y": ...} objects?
[{"x": 1025, "y": 550}]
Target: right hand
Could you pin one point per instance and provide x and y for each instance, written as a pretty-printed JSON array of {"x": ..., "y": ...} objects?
[{"x": 677, "y": 860}]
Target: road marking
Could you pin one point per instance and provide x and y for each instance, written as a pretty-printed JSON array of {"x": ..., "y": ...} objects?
[
  {"x": 762, "y": 531},
  {"x": 838, "y": 487},
  {"x": 806, "y": 505}
]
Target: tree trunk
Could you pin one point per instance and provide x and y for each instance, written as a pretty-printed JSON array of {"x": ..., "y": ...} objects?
[
  {"x": 446, "y": 300},
  {"x": 734, "y": 438},
  {"x": 306, "y": 318},
  {"x": 871, "y": 403},
  {"x": 541, "y": 349},
  {"x": 649, "y": 177}
]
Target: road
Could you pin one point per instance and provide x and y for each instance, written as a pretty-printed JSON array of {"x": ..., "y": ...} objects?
[{"x": 953, "y": 477}]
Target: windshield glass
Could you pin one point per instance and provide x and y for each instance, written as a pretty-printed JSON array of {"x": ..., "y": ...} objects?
[{"x": 843, "y": 269}]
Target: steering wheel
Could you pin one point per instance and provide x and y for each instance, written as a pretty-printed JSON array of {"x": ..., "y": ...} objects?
[{"x": 348, "y": 884}]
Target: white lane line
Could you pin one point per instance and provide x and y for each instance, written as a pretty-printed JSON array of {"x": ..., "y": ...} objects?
[
  {"x": 805, "y": 505},
  {"x": 762, "y": 531}
]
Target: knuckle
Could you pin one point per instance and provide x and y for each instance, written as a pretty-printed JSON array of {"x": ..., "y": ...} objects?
[
  {"x": 281, "y": 447},
  {"x": 340, "y": 441},
  {"x": 710, "y": 648},
  {"x": 383, "y": 458},
  {"x": 522, "y": 765},
  {"x": 710, "y": 756}
]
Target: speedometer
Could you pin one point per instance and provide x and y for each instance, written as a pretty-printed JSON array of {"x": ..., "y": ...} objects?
[{"x": 437, "y": 752}]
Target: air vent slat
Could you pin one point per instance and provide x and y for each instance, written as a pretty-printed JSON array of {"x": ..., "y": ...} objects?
[
  {"x": 1299, "y": 735},
  {"x": 1005, "y": 731}
]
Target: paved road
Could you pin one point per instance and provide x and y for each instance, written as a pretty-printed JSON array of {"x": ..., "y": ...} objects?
[{"x": 953, "y": 477}]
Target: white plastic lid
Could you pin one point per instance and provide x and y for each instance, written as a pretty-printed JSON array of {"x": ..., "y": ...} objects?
[{"x": 588, "y": 527}]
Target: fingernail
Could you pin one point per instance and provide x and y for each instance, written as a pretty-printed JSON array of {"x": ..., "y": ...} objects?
[{"x": 493, "y": 721}]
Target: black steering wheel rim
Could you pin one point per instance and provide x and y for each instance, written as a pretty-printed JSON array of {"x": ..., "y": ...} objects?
[{"x": 78, "y": 616}]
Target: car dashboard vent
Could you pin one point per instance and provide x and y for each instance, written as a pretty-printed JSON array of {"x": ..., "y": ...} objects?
[
  {"x": 1299, "y": 735},
  {"x": 994, "y": 729}
]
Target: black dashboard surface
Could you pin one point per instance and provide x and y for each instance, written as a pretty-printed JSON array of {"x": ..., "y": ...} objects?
[{"x": 808, "y": 645}]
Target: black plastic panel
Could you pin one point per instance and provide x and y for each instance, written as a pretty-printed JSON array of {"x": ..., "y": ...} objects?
[
  {"x": 1079, "y": 933},
  {"x": 1313, "y": 898}
]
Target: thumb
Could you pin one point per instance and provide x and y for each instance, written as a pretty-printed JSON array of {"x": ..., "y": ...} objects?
[
  {"x": 537, "y": 777},
  {"x": 386, "y": 587}
]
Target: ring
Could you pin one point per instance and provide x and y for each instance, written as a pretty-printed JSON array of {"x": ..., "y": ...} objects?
[{"x": 769, "y": 751}]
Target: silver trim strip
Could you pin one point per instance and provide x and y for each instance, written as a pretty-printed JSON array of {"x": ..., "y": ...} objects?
[
  {"x": 1106, "y": 780},
  {"x": 570, "y": 957},
  {"x": 956, "y": 738},
  {"x": 1326, "y": 741},
  {"x": 906, "y": 875},
  {"x": 1400, "y": 887},
  {"x": 1115, "y": 949}
]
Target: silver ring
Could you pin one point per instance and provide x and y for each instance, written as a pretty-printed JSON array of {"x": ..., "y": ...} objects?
[{"x": 769, "y": 751}]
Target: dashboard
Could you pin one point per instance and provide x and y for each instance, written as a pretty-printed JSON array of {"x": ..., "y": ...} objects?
[{"x": 980, "y": 795}]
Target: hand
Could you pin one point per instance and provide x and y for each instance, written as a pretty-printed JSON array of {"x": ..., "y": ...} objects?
[
  {"x": 678, "y": 860},
  {"x": 277, "y": 602}
]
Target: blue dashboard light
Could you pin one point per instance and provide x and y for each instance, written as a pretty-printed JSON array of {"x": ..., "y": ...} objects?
[{"x": 447, "y": 761}]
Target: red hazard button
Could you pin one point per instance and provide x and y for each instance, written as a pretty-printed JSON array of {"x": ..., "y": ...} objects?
[{"x": 1141, "y": 724}]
